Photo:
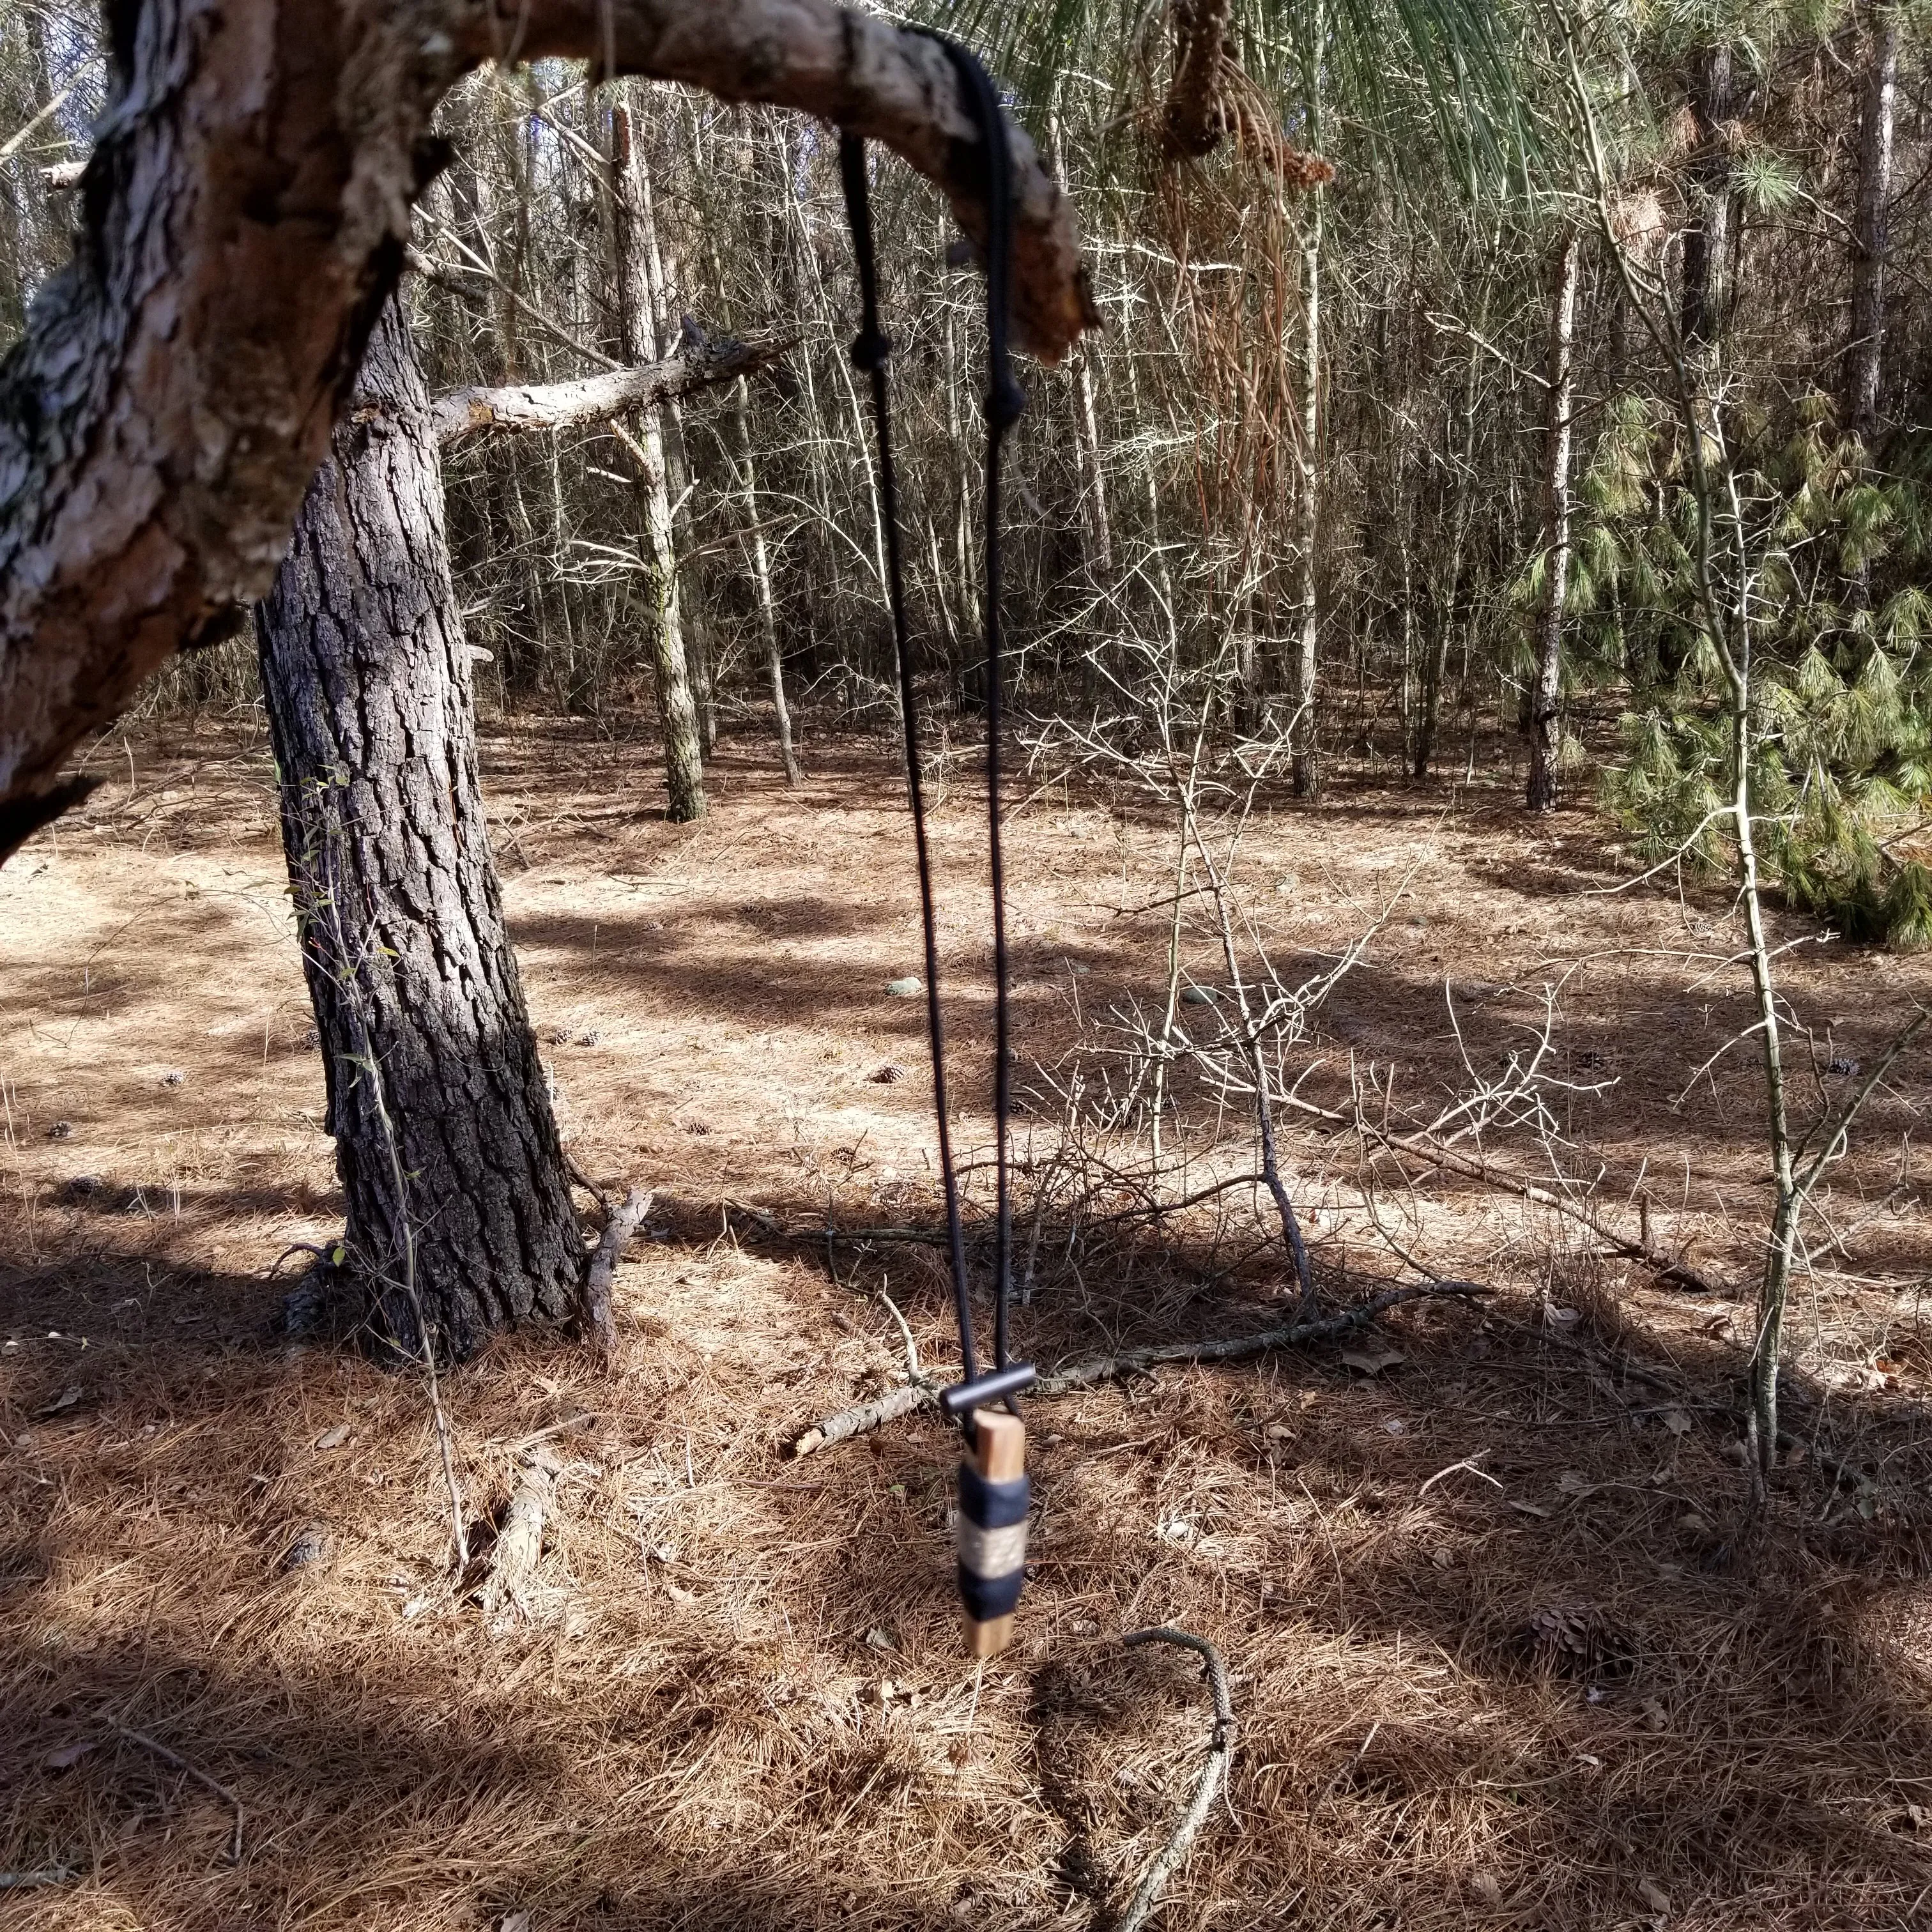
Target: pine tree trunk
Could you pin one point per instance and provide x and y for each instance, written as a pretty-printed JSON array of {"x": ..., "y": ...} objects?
[
  {"x": 1546, "y": 704},
  {"x": 677, "y": 708},
  {"x": 458, "y": 1209},
  {"x": 1306, "y": 761},
  {"x": 1707, "y": 241},
  {"x": 761, "y": 579},
  {"x": 1864, "y": 348}
]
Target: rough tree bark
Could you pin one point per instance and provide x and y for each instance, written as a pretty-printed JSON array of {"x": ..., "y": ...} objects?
[
  {"x": 242, "y": 221},
  {"x": 657, "y": 542},
  {"x": 1865, "y": 346},
  {"x": 459, "y": 1215},
  {"x": 1707, "y": 240},
  {"x": 1546, "y": 705}
]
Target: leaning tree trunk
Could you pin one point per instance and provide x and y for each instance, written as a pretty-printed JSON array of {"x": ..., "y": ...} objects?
[
  {"x": 459, "y": 1215},
  {"x": 1543, "y": 711},
  {"x": 677, "y": 709},
  {"x": 1865, "y": 347}
]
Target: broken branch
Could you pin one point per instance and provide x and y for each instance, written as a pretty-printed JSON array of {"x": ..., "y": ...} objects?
[
  {"x": 905, "y": 1400},
  {"x": 616, "y": 1236},
  {"x": 554, "y": 406},
  {"x": 169, "y": 1756},
  {"x": 1213, "y": 1773}
]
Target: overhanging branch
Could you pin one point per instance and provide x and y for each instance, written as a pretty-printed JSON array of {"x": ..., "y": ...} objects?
[{"x": 242, "y": 219}]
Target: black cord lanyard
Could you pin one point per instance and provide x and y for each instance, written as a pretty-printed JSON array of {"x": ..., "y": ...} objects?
[{"x": 1004, "y": 402}]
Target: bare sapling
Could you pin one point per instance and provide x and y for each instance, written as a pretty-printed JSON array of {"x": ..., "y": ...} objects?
[{"x": 1728, "y": 573}]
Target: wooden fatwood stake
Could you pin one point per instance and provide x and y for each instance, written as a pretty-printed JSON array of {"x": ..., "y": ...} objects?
[{"x": 999, "y": 1454}]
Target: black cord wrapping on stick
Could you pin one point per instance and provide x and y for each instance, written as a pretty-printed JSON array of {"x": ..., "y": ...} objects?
[{"x": 1004, "y": 402}]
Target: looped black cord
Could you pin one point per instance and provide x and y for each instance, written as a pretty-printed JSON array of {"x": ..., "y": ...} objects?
[
  {"x": 869, "y": 353},
  {"x": 1004, "y": 403}
]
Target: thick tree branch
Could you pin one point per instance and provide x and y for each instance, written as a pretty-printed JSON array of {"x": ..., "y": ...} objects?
[
  {"x": 243, "y": 218},
  {"x": 464, "y": 413}
]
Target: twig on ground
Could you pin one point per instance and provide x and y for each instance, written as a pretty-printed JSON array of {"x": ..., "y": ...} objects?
[
  {"x": 1214, "y": 1774},
  {"x": 1089, "y": 1374},
  {"x": 598, "y": 1321},
  {"x": 589, "y": 1187},
  {"x": 867, "y": 1416},
  {"x": 169, "y": 1755},
  {"x": 23, "y": 1881},
  {"x": 520, "y": 1542}
]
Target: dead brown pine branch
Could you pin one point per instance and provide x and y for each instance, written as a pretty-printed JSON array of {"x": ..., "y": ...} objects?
[{"x": 1207, "y": 1787}]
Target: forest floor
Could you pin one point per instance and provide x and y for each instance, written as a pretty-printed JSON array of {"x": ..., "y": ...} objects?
[{"x": 1504, "y": 1651}]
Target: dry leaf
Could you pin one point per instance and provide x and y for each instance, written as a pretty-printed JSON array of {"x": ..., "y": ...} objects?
[
  {"x": 67, "y": 1756},
  {"x": 1653, "y": 1895},
  {"x": 1528, "y": 1509},
  {"x": 1373, "y": 1361},
  {"x": 514, "y": 1922},
  {"x": 1574, "y": 1483},
  {"x": 66, "y": 1399},
  {"x": 333, "y": 1438},
  {"x": 1676, "y": 1421},
  {"x": 1488, "y": 1887}
]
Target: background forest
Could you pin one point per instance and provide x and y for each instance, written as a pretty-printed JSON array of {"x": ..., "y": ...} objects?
[
  {"x": 1309, "y": 452},
  {"x": 1469, "y": 718}
]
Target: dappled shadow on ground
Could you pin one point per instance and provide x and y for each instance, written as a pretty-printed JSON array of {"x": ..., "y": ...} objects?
[
  {"x": 1505, "y": 1651},
  {"x": 1504, "y": 1646}
]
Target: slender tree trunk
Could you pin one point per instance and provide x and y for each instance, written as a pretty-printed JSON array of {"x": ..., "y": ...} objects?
[
  {"x": 761, "y": 579},
  {"x": 1445, "y": 597},
  {"x": 664, "y": 333},
  {"x": 1864, "y": 348},
  {"x": 1305, "y": 760},
  {"x": 1707, "y": 241},
  {"x": 677, "y": 711},
  {"x": 1546, "y": 706},
  {"x": 1087, "y": 434},
  {"x": 459, "y": 1215}
]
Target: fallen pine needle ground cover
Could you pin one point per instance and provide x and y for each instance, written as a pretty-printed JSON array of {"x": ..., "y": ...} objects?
[{"x": 1503, "y": 1650}]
